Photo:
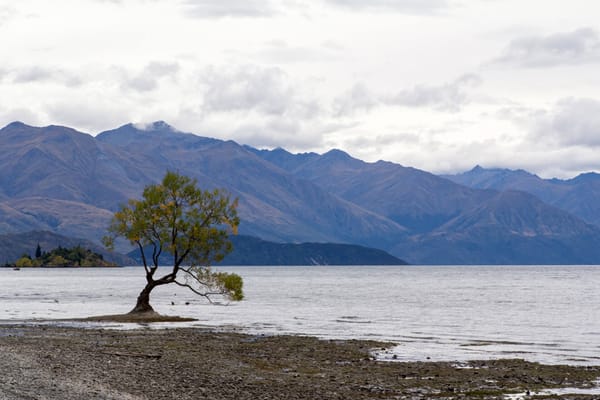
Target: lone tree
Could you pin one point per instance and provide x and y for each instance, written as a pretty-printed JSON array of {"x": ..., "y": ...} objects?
[{"x": 191, "y": 225}]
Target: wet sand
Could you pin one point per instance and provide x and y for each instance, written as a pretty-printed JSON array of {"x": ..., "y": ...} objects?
[{"x": 49, "y": 362}]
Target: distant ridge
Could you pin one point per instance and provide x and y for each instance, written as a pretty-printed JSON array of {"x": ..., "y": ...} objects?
[
  {"x": 579, "y": 196},
  {"x": 248, "y": 250}
]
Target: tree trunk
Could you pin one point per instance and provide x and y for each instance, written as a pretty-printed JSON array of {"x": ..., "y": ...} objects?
[{"x": 143, "y": 300}]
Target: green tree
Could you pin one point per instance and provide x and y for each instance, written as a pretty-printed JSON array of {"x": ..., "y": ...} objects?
[
  {"x": 24, "y": 262},
  {"x": 58, "y": 261},
  {"x": 38, "y": 251},
  {"x": 189, "y": 224}
]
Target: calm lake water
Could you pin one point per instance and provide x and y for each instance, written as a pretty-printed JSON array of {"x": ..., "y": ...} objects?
[{"x": 549, "y": 314}]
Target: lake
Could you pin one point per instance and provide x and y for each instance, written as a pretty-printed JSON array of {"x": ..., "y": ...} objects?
[{"x": 549, "y": 314}]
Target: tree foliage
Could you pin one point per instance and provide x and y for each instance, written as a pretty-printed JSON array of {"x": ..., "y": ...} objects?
[
  {"x": 192, "y": 225},
  {"x": 64, "y": 257}
]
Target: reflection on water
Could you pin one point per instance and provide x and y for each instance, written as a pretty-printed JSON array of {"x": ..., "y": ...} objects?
[{"x": 547, "y": 314}]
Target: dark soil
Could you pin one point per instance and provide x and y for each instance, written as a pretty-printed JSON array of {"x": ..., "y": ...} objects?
[{"x": 47, "y": 362}]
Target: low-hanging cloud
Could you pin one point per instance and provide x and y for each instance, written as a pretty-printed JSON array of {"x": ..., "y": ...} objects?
[
  {"x": 251, "y": 88},
  {"x": 447, "y": 97},
  {"x": 580, "y": 46},
  {"x": 572, "y": 122},
  {"x": 358, "y": 99},
  {"x": 450, "y": 97},
  {"x": 148, "y": 78}
]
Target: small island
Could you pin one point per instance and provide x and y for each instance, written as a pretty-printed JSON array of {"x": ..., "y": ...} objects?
[{"x": 62, "y": 257}]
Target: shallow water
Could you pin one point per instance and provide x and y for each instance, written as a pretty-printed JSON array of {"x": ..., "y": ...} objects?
[{"x": 547, "y": 313}]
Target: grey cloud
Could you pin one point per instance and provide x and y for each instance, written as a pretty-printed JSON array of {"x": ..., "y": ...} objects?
[
  {"x": 401, "y": 6},
  {"x": 228, "y": 8},
  {"x": 448, "y": 97},
  {"x": 358, "y": 99},
  {"x": 44, "y": 74},
  {"x": 572, "y": 122},
  {"x": 148, "y": 78},
  {"x": 565, "y": 48},
  {"x": 252, "y": 88}
]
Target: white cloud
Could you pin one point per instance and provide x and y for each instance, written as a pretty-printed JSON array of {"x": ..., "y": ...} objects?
[
  {"x": 88, "y": 114},
  {"x": 228, "y": 8},
  {"x": 402, "y": 6},
  {"x": 6, "y": 14},
  {"x": 24, "y": 115},
  {"x": 565, "y": 48}
]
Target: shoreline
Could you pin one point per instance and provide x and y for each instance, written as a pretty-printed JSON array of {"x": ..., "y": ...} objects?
[{"x": 45, "y": 361}]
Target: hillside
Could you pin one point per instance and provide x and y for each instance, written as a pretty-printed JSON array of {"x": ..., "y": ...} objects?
[
  {"x": 57, "y": 179},
  {"x": 273, "y": 204},
  {"x": 450, "y": 223},
  {"x": 578, "y": 196},
  {"x": 248, "y": 250}
]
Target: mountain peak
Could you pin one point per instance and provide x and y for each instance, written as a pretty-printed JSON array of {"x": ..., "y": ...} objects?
[
  {"x": 17, "y": 124},
  {"x": 156, "y": 126},
  {"x": 337, "y": 154}
]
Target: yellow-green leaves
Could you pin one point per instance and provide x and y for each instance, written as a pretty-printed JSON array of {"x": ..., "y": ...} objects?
[
  {"x": 232, "y": 284},
  {"x": 192, "y": 225}
]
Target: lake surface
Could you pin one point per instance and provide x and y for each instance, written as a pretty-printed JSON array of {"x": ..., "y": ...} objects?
[{"x": 549, "y": 314}]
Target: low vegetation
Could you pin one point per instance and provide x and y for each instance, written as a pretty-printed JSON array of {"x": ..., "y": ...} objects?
[{"x": 62, "y": 257}]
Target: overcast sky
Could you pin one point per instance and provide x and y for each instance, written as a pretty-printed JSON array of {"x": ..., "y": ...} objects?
[{"x": 440, "y": 85}]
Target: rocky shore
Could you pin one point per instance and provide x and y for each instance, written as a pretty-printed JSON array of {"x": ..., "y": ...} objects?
[{"x": 49, "y": 362}]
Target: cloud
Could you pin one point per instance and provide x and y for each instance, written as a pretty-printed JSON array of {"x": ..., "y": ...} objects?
[
  {"x": 148, "y": 78},
  {"x": 572, "y": 122},
  {"x": 89, "y": 113},
  {"x": 36, "y": 74},
  {"x": 358, "y": 99},
  {"x": 580, "y": 46},
  {"x": 24, "y": 115},
  {"x": 278, "y": 51},
  {"x": 6, "y": 14},
  {"x": 250, "y": 88},
  {"x": 447, "y": 97},
  {"x": 229, "y": 8},
  {"x": 401, "y": 6}
]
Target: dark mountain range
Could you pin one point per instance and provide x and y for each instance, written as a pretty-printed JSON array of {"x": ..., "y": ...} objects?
[
  {"x": 13, "y": 246},
  {"x": 248, "y": 250},
  {"x": 580, "y": 196},
  {"x": 58, "y": 179}
]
